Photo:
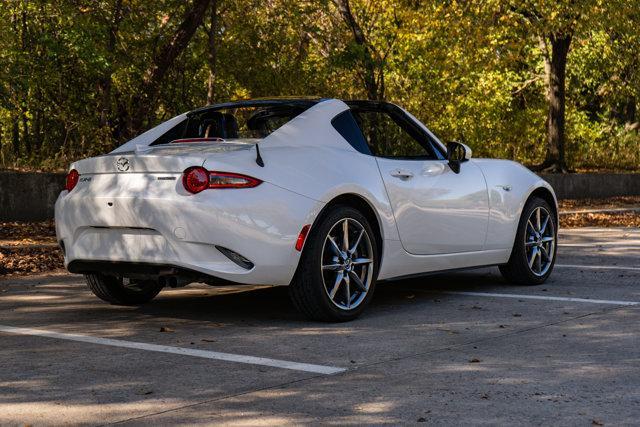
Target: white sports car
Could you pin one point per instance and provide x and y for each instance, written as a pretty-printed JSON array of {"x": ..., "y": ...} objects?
[{"x": 323, "y": 195}]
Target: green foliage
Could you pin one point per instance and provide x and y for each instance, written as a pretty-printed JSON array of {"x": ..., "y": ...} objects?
[{"x": 71, "y": 71}]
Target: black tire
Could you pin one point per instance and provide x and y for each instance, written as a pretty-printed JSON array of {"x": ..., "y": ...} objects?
[
  {"x": 112, "y": 289},
  {"x": 307, "y": 289},
  {"x": 517, "y": 270}
]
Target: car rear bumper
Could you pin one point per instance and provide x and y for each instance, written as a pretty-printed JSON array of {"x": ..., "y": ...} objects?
[{"x": 191, "y": 232}]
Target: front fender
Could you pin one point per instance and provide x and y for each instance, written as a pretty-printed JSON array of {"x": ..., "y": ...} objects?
[{"x": 509, "y": 185}]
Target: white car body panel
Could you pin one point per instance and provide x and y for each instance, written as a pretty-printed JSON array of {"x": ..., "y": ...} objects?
[
  {"x": 438, "y": 220},
  {"x": 506, "y": 205},
  {"x": 433, "y": 205}
]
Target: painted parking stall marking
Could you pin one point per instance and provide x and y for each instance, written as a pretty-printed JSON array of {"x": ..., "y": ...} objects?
[
  {"x": 598, "y": 267},
  {"x": 625, "y": 243},
  {"x": 540, "y": 297},
  {"x": 206, "y": 354}
]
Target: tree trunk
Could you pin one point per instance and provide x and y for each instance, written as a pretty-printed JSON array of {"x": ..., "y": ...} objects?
[
  {"x": 26, "y": 138},
  {"x": 37, "y": 128},
  {"x": 2, "y": 148},
  {"x": 555, "y": 68},
  {"x": 15, "y": 137},
  {"x": 630, "y": 111},
  {"x": 105, "y": 83},
  {"x": 162, "y": 62},
  {"x": 374, "y": 91},
  {"x": 213, "y": 52}
]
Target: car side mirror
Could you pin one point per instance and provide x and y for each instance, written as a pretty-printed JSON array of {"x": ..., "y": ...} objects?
[{"x": 457, "y": 153}]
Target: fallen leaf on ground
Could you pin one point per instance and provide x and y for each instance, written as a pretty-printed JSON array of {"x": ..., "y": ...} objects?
[{"x": 449, "y": 331}]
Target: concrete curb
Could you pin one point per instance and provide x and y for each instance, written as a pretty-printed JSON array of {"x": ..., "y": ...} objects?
[
  {"x": 29, "y": 196},
  {"x": 594, "y": 185}
]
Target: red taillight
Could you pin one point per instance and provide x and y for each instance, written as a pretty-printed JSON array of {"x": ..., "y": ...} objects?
[
  {"x": 196, "y": 179},
  {"x": 72, "y": 180},
  {"x": 231, "y": 180},
  {"x": 302, "y": 237}
]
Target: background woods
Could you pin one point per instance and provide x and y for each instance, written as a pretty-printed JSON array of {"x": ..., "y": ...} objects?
[{"x": 553, "y": 84}]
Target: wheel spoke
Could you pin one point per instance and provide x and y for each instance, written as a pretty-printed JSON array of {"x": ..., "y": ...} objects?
[
  {"x": 356, "y": 281},
  {"x": 530, "y": 224},
  {"x": 539, "y": 261},
  {"x": 545, "y": 253},
  {"x": 538, "y": 222},
  {"x": 544, "y": 224},
  {"x": 355, "y": 245},
  {"x": 345, "y": 235},
  {"x": 336, "y": 285},
  {"x": 334, "y": 246},
  {"x": 529, "y": 243},
  {"x": 332, "y": 267},
  {"x": 361, "y": 261},
  {"x": 347, "y": 286},
  {"x": 547, "y": 239},
  {"x": 534, "y": 253}
]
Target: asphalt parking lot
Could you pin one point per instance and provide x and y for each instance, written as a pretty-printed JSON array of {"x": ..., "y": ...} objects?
[{"x": 458, "y": 348}]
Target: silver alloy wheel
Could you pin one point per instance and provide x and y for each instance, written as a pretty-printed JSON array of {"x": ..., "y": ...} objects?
[
  {"x": 540, "y": 241},
  {"x": 347, "y": 269}
]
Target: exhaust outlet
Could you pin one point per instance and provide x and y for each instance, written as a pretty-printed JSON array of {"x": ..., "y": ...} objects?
[
  {"x": 170, "y": 281},
  {"x": 173, "y": 281}
]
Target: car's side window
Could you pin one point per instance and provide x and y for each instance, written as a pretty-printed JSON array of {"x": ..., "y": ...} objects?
[
  {"x": 387, "y": 135},
  {"x": 347, "y": 126}
]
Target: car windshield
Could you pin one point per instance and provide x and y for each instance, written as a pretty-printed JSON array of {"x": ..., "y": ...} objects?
[{"x": 238, "y": 122}]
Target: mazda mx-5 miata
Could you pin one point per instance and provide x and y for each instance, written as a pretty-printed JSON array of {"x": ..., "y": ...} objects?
[{"x": 323, "y": 195}]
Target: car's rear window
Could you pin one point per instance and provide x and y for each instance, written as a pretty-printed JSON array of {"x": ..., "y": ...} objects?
[{"x": 232, "y": 123}]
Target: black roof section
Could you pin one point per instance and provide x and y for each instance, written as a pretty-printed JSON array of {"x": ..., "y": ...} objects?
[{"x": 301, "y": 102}]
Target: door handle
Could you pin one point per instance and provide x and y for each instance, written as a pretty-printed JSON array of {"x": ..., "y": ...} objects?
[{"x": 402, "y": 174}]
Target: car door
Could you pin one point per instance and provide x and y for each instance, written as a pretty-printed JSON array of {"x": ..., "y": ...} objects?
[{"x": 437, "y": 211}]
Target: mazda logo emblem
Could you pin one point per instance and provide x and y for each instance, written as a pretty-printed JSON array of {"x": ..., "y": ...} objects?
[{"x": 122, "y": 164}]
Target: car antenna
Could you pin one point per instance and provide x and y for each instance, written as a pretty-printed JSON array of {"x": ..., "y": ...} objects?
[{"x": 259, "y": 160}]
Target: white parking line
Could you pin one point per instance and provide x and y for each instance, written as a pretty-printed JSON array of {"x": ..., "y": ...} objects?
[
  {"x": 630, "y": 243},
  {"x": 540, "y": 297},
  {"x": 251, "y": 360},
  {"x": 597, "y": 267}
]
